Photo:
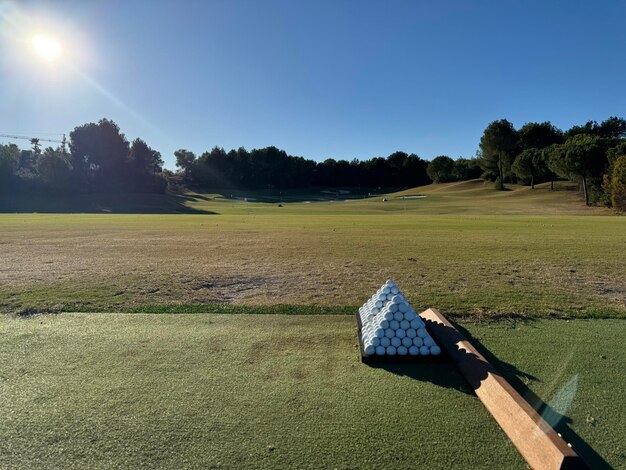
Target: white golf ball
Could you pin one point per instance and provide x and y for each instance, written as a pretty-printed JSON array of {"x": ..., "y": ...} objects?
[
  {"x": 402, "y": 351},
  {"x": 400, "y": 333},
  {"x": 424, "y": 351},
  {"x": 422, "y": 333},
  {"x": 406, "y": 342},
  {"x": 370, "y": 317},
  {"x": 378, "y": 303},
  {"x": 428, "y": 341},
  {"x": 411, "y": 333},
  {"x": 398, "y": 316},
  {"x": 393, "y": 308},
  {"x": 375, "y": 341},
  {"x": 394, "y": 290},
  {"x": 403, "y": 307},
  {"x": 405, "y": 325},
  {"x": 391, "y": 350},
  {"x": 413, "y": 350},
  {"x": 435, "y": 350},
  {"x": 375, "y": 310},
  {"x": 410, "y": 316},
  {"x": 380, "y": 351},
  {"x": 389, "y": 333},
  {"x": 388, "y": 315},
  {"x": 397, "y": 299},
  {"x": 386, "y": 290},
  {"x": 370, "y": 349},
  {"x": 395, "y": 341},
  {"x": 415, "y": 324},
  {"x": 384, "y": 324},
  {"x": 379, "y": 332},
  {"x": 394, "y": 325},
  {"x": 389, "y": 296},
  {"x": 389, "y": 283},
  {"x": 417, "y": 341},
  {"x": 384, "y": 341}
]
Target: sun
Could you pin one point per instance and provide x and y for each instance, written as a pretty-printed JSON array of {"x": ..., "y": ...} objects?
[{"x": 46, "y": 47}]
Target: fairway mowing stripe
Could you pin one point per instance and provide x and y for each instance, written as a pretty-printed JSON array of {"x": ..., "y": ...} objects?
[{"x": 535, "y": 439}]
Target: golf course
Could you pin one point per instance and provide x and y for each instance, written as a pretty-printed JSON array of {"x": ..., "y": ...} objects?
[{"x": 218, "y": 330}]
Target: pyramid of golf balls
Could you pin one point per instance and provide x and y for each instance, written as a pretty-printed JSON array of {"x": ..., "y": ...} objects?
[{"x": 390, "y": 326}]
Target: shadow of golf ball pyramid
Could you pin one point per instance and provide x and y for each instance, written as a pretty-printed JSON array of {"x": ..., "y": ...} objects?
[{"x": 391, "y": 327}]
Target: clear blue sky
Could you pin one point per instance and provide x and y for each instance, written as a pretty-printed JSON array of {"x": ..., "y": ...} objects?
[{"x": 340, "y": 79}]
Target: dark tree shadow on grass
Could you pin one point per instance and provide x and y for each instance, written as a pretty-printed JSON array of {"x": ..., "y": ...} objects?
[{"x": 100, "y": 203}]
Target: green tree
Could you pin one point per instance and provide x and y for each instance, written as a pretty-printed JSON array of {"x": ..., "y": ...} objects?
[
  {"x": 54, "y": 168},
  {"x": 100, "y": 153},
  {"x": 529, "y": 164},
  {"x": 185, "y": 161},
  {"x": 539, "y": 135},
  {"x": 466, "y": 169},
  {"x": 498, "y": 147},
  {"x": 441, "y": 169},
  {"x": 9, "y": 158},
  {"x": 581, "y": 156}
]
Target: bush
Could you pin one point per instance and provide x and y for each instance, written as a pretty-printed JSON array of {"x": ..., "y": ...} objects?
[{"x": 618, "y": 184}]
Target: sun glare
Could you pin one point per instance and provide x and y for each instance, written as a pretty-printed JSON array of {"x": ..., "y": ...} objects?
[{"x": 46, "y": 47}]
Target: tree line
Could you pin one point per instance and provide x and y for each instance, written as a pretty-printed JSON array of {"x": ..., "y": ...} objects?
[
  {"x": 593, "y": 154},
  {"x": 101, "y": 158},
  {"x": 271, "y": 167}
]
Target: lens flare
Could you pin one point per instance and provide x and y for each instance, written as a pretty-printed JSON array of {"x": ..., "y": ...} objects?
[{"x": 49, "y": 49}]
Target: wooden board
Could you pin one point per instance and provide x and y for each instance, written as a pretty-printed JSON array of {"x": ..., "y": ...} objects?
[{"x": 534, "y": 438}]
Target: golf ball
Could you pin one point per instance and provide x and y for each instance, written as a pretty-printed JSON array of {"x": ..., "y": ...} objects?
[
  {"x": 402, "y": 351},
  {"x": 428, "y": 341},
  {"x": 394, "y": 325},
  {"x": 403, "y": 307},
  {"x": 394, "y": 290},
  {"x": 413, "y": 350},
  {"x": 378, "y": 303},
  {"x": 400, "y": 333},
  {"x": 389, "y": 333},
  {"x": 379, "y": 332},
  {"x": 384, "y": 324},
  {"x": 417, "y": 341},
  {"x": 375, "y": 341},
  {"x": 393, "y": 308},
  {"x": 424, "y": 351},
  {"x": 391, "y": 350},
  {"x": 415, "y": 324},
  {"x": 388, "y": 315},
  {"x": 410, "y": 316},
  {"x": 405, "y": 325},
  {"x": 380, "y": 351},
  {"x": 386, "y": 290},
  {"x": 406, "y": 342},
  {"x": 422, "y": 333},
  {"x": 370, "y": 349},
  {"x": 435, "y": 350},
  {"x": 398, "y": 316},
  {"x": 395, "y": 341},
  {"x": 397, "y": 299},
  {"x": 411, "y": 333},
  {"x": 384, "y": 341}
]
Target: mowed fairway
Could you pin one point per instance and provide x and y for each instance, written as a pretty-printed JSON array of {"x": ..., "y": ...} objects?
[
  {"x": 258, "y": 391},
  {"x": 464, "y": 248}
]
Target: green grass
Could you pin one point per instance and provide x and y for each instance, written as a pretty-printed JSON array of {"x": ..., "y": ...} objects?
[
  {"x": 466, "y": 248},
  {"x": 253, "y": 391}
]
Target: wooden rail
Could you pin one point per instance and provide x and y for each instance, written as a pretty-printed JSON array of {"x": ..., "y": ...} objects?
[{"x": 534, "y": 438}]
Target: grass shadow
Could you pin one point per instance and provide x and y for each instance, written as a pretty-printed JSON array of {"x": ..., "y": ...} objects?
[
  {"x": 99, "y": 203},
  {"x": 441, "y": 373},
  {"x": 559, "y": 422}
]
